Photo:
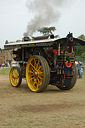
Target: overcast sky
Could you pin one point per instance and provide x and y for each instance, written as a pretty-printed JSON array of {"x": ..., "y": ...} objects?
[{"x": 14, "y": 17}]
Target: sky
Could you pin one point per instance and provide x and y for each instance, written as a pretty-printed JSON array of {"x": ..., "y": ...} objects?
[{"x": 15, "y": 15}]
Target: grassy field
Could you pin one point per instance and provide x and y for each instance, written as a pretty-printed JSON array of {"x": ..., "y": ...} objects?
[
  {"x": 4, "y": 71},
  {"x": 83, "y": 74}
]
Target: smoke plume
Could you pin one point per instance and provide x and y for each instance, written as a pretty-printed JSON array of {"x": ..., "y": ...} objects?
[{"x": 46, "y": 12}]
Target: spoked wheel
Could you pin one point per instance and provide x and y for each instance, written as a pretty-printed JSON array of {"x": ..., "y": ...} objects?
[
  {"x": 37, "y": 73},
  {"x": 15, "y": 76},
  {"x": 73, "y": 81}
]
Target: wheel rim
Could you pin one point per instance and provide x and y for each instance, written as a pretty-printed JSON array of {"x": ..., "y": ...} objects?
[
  {"x": 34, "y": 74},
  {"x": 14, "y": 77}
]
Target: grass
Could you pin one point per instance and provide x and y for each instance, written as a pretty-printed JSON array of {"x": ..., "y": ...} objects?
[
  {"x": 83, "y": 73},
  {"x": 5, "y": 71}
]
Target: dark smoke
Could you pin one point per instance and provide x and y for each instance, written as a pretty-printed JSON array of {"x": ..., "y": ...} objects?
[{"x": 46, "y": 13}]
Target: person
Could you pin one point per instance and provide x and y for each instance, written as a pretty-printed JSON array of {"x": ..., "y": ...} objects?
[
  {"x": 79, "y": 69},
  {"x": 0, "y": 65}
]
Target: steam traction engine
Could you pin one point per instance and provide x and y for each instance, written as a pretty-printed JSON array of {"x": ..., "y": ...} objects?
[{"x": 44, "y": 60}]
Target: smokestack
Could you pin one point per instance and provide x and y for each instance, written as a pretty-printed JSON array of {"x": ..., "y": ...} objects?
[{"x": 46, "y": 12}]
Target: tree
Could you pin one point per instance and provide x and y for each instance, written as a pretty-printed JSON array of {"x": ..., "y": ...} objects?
[
  {"x": 6, "y": 42},
  {"x": 81, "y": 37},
  {"x": 80, "y": 50},
  {"x": 46, "y": 30},
  {"x": 83, "y": 55},
  {"x": 18, "y": 40}
]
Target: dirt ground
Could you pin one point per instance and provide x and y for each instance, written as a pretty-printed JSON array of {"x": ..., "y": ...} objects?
[{"x": 21, "y": 108}]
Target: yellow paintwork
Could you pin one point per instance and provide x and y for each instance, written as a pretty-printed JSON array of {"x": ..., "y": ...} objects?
[
  {"x": 34, "y": 74},
  {"x": 14, "y": 77}
]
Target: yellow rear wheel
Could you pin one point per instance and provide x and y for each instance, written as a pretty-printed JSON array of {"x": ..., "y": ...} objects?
[
  {"x": 15, "y": 76},
  {"x": 37, "y": 73}
]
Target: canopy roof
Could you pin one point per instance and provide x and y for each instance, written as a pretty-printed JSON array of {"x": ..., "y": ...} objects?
[{"x": 44, "y": 42}]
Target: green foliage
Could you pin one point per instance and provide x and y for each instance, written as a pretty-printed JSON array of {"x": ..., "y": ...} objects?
[
  {"x": 82, "y": 36},
  {"x": 6, "y": 42},
  {"x": 12, "y": 42},
  {"x": 79, "y": 50},
  {"x": 18, "y": 40},
  {"x": 46, "y": 30},
  {"x": 80, "y": 58},
  {"x": 80, "y": 53},
  {"x": 83, "y": 55}
]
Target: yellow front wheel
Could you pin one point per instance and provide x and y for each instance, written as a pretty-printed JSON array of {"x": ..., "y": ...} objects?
[
  {"x": 37, "y": 73},
  {"x": 15, "y": 76}
]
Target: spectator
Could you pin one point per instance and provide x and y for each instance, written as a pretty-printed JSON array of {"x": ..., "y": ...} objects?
[
  {"x": 3, "y": 65},
  {"x": 0, "y": 65},
  {"x": 79, "y": 69}
]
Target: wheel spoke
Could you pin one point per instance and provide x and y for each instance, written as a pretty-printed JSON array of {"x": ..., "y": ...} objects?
[
  {"x": 14, "y": 80},
  {"x": 38, "y": 64},
  {"x": 30, "y": 71},
  {"x": 17, "y": 81},
  {"x": 34, "y": 83},
  {"x": 31, "y": 79},
  {"x": 38, "y": 83},
  {"x": 40, "y": 73},
  {"x": 35, "y": 64},
  {"x": 40, "y": 77},
  {"x": 40, "y": 67},
  {"x": 15, "y": 72},
  {"x": 15, "y": 77},
  {"x": 32, "y": 66}
]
